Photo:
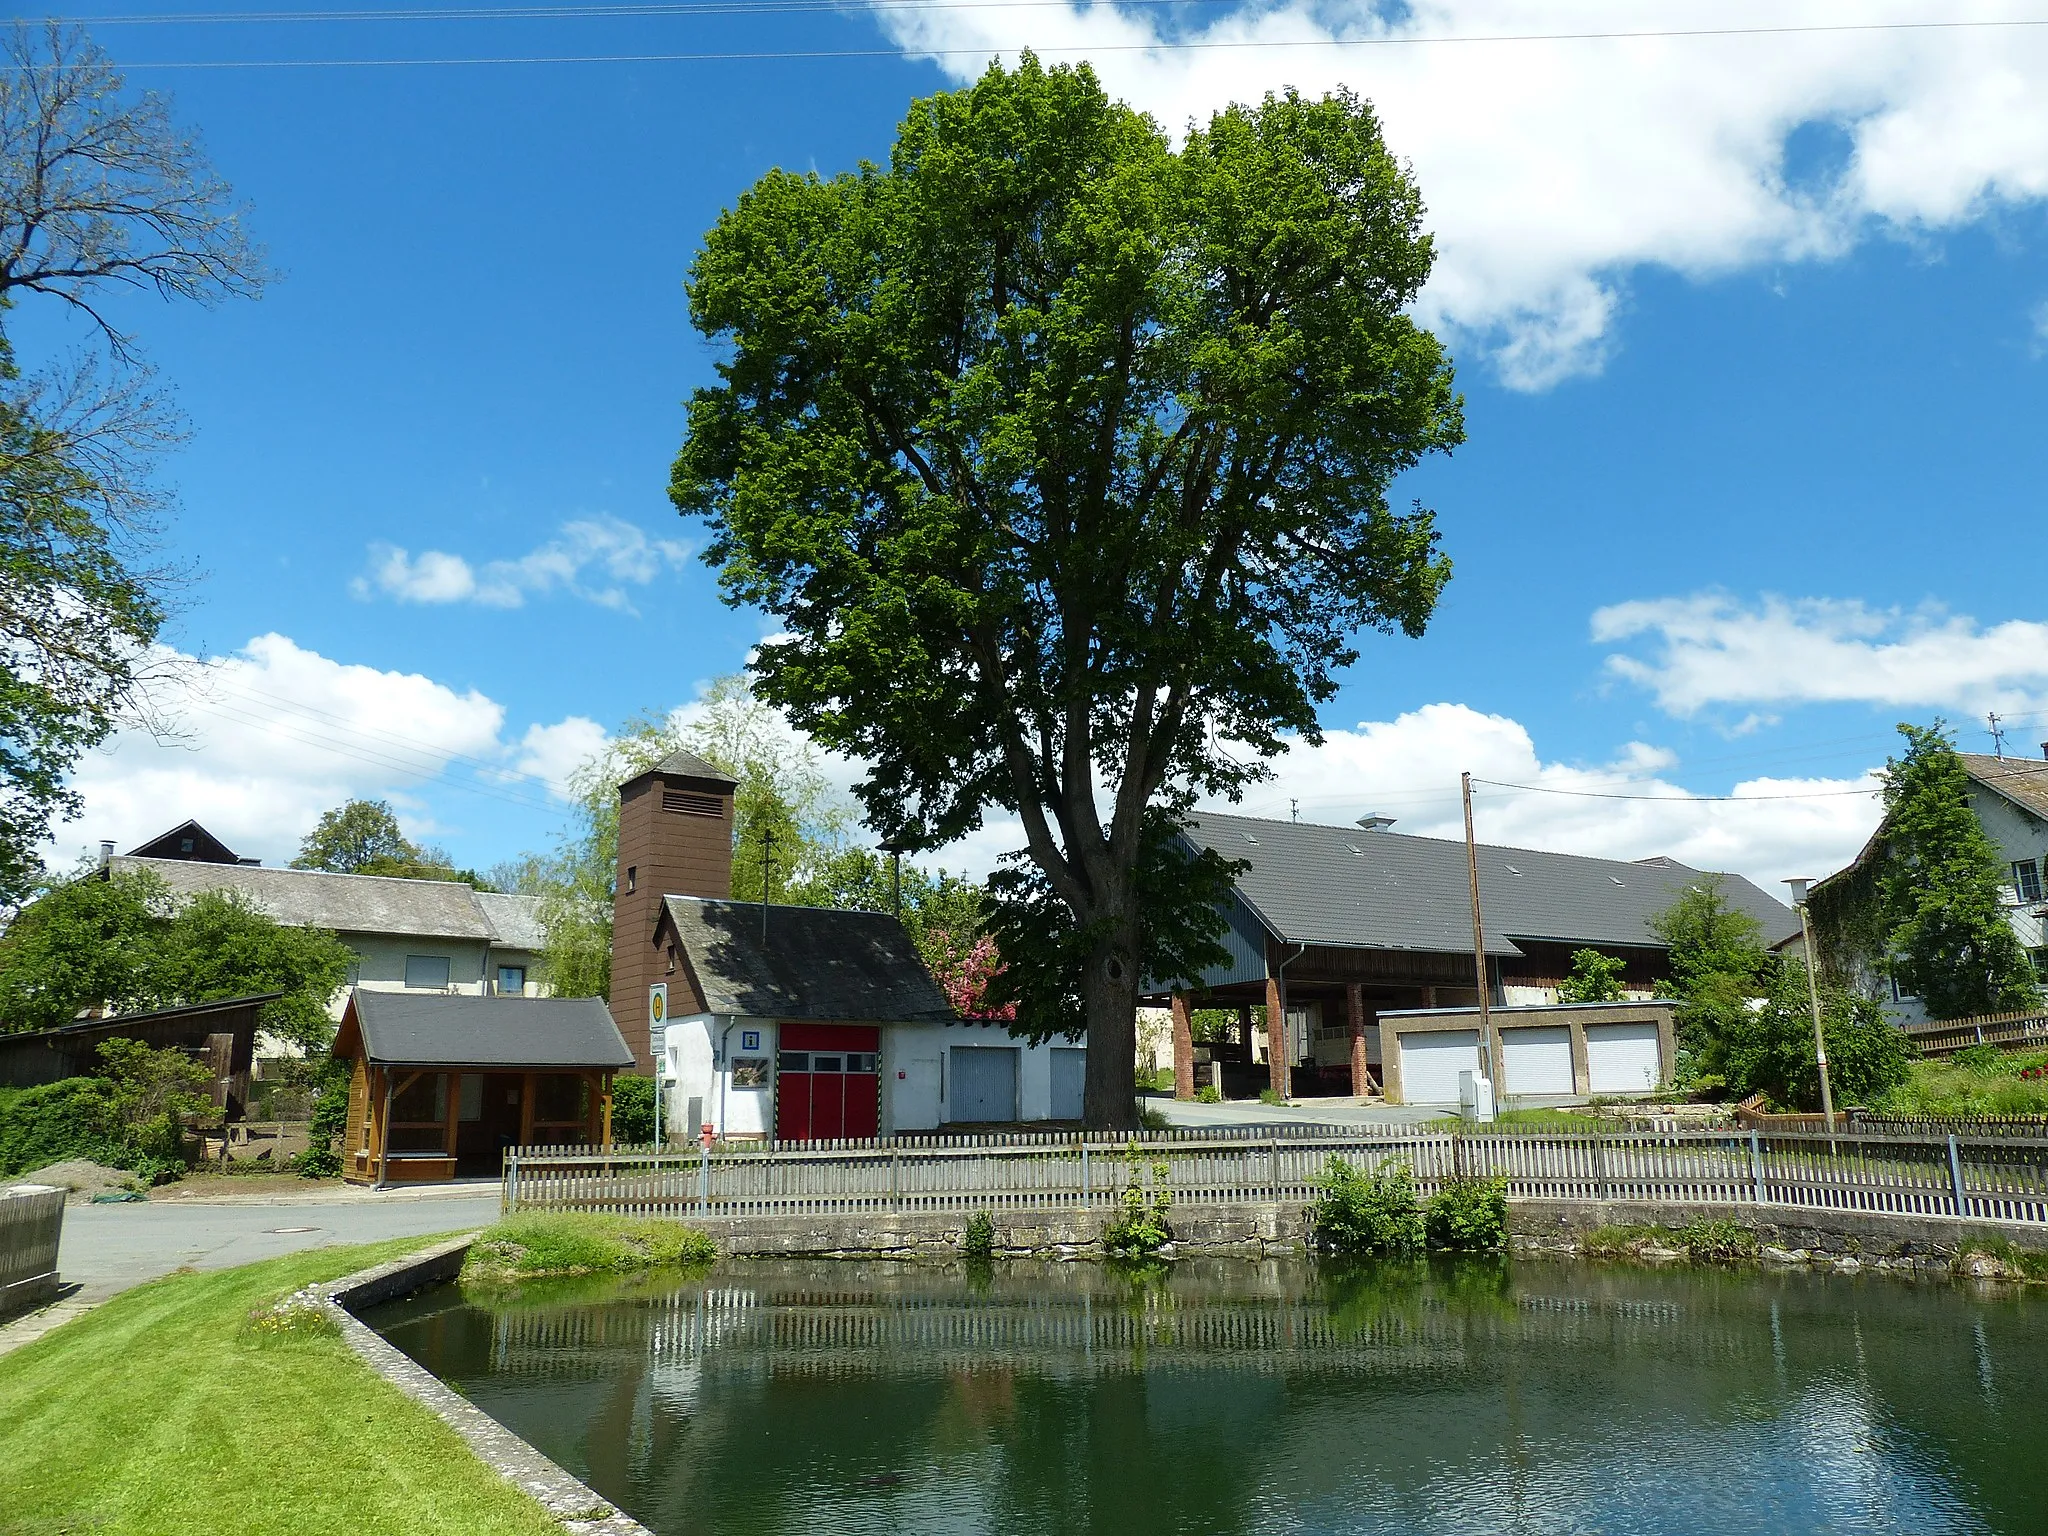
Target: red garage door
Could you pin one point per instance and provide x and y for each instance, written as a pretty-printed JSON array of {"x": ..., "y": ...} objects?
[{"x": 826, "y": 1084}]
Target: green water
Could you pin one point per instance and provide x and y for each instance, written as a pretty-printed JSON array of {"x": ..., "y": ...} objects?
[{"x": 1274, "y": 1397}]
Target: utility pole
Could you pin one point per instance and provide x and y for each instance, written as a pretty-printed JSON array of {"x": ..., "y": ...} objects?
[
  {"x": 1478, "y": 930},
  {"x": 1820, "y": 1044},
  {"x": 1997, "y": 734},
  {"x": 894, "y": 848},
  {"x": 767, "y": 864}
]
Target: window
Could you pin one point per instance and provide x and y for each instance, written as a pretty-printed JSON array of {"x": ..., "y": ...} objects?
[
  {"x": 1901, "y": 995},
  {"x": 472, "y": 1098},
  {"x": 827, "y": 1063},
  {"x": 2040, "y": 963},
  {"x": 632, "y": 878},
  {"x": 427, "y": 972},
  {"x": 512, "y": 980},
  {"x": 796, "y": 1061},
  {"x": 750, "y": 1071},
  {"x": 2026, "y": 879}
]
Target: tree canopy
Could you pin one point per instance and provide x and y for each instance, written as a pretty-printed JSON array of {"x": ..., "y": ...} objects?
[
  {"x": 1595, "y": 978},
  {"x": 123, "y": 940},
  {"x": 362, "y": 837},
  {"x": 99, "y": 190},
  {"x": 1062, "y": 457},
  {"x": 1941, "y": 888}
]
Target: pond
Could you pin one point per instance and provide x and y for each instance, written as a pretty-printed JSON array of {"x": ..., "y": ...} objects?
[{"x": 1227, "y": 1396}]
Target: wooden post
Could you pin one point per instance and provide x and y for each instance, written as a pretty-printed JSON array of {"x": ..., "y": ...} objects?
[
  {"x": 605, "y": 1087},
  {"x": 1354, "y": 1007},
  {"x": 453, "y": 1100},
  {"x": 1276, "y": 1036},
  {"x": 1183, "y": 1047},
  {"x": 526, "y": 1081}
]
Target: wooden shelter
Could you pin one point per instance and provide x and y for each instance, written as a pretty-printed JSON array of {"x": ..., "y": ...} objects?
[
  {"x": 221, "y": 1034},
  {"x": 442, "y": 1083}
]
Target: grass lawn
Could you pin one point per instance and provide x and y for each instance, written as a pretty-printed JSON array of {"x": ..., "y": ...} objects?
[
  {"x": 162, "y": 1412},
  {"x": 1981, "y": 1081}
]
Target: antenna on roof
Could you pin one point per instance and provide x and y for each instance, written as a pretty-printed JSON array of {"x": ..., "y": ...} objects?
[
  {"x": 1997, "y": 734},
  {"x": 1294, "y": 810}
]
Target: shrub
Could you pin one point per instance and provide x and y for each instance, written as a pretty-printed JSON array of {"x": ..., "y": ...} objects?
[
  {"x": 978, "y": 1242},
  {"x": 1468, "y": 1216},
  {"x": 321, "y": 1160},
  {"x": 1595, "y": 978},
  {"x": 75, "y": 1118},
  {"x": 1268, "y": 1096},
  {"x": 1359, "y": 1212},
  {"x": 1208, "y": 1093},
  {"x": 1139, "y": 1226},
  {"x": 633, "y": 1111},
  {"x": 1717, "y": 1242},
  {"x": 1153, "y": 1119}
]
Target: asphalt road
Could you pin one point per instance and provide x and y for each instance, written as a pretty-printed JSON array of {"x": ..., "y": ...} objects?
[{"x": 107, "y": 1248}]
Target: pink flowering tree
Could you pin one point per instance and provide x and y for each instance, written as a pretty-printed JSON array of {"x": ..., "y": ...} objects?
[{"x": 965, "y": 972}]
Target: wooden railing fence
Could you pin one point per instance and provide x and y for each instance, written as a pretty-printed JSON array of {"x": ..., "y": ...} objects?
[
  {"x": 1988, "y": 1179},
  {"x": 2010, "y": 1030}
]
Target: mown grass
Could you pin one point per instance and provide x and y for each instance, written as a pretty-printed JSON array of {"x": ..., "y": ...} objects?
[
  {"x": 1984, "y": 1081},
  {"x": 167, "y": 1411},
  {"x": 579, "y": 1243}
]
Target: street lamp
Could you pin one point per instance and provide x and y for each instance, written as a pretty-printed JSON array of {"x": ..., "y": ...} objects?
[
  {"x": 896, "y": 848},
  {"x": 1820, "y": 1044}
]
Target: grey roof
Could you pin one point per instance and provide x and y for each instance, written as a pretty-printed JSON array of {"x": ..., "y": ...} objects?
[
  {"x": 2022, "y": 780},
  {"x": 817, "y": 963},
  {"x": 1351, "y": 888},
  {"x": 433, "y": 1029},
  {"x": 687, "y": 765},
  {"x": 313, "y": 898}
]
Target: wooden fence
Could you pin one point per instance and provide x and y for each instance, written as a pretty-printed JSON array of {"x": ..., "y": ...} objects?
[
  {"x": 31, "y": 1221},
  {"x": 2013, "y": 1031},
  {"x": 1989, "y": 1179}
]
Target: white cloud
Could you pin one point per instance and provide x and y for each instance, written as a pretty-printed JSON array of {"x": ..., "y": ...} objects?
[
  {"x": 1408, "y": 768},
  {"x": 1554, "y": 168},
  {"x": 553, "y": 753},
  {"x": 1709, "y": 649},
  {"x": 595, "y": 559}
]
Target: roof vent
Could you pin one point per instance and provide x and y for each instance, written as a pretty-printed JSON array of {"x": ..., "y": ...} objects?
[
  {"x": 1356, "y": 849},
  {"x": 1376, "y": 822},
  {"x": 1248, "y": 838},
  {"x": 1513, "y": 871},
  {"x": 1619, "y": 881}
]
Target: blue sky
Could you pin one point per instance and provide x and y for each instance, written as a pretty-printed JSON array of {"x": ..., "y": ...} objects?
[{"x": 1751, "y": 333}]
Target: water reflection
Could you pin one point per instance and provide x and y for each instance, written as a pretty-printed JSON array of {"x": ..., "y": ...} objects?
[{"x": 1283, "y": 1396}]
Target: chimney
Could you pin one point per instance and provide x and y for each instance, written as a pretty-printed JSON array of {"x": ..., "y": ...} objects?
[
  {"x": 675, "y": 839},
  {"x": 1376, "y": 822},
  {"x": 106, "y": 851}
]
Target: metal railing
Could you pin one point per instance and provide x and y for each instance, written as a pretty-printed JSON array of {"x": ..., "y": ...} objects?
[{"x": 2002, "y": 1179}]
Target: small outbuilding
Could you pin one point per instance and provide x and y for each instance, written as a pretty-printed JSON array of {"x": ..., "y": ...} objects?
[
  {"x": 220, "y": 1034},
  {"x": 442, "y": 1084},
  {"x": 1542, "y": 1052}
]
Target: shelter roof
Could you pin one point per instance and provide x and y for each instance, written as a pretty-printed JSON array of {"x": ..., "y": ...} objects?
[
  {"x": 1350, "y": 888},
  {"x": 814, "y": 963},
  {"x": 436, "y": 1029},
  {"x": 314, "y": 898}
]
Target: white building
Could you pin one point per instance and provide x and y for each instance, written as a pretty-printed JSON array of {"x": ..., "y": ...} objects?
[{"x": 810, "y": 1024}]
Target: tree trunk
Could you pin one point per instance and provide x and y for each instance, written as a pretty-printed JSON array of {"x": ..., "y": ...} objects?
[{"x": 1109, "y": 994}]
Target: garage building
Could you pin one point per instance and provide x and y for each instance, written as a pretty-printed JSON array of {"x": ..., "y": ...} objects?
[{"x": 1546, "y": 1052}]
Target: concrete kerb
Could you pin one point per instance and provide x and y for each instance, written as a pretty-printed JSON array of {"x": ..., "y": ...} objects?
[{"x": 574, "y": 1504}]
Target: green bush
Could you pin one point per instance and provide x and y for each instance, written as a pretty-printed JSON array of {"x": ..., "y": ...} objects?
[
  {"x": 1978, "y": 1082},
  {"x": 979, "y": 1240},
  {"x": 633, "y": 1111},
  {"x": 1717, "y": 1242},
  {"x": 1139, "y": 1227},
  {"x": 75, "y": 1118},
  {"x": 1769, "y": 1050},
  {"x": 321, "y": 1159},
  {"x": 1468, "y": 1216},
  {"x": 1269, "y": 1096},
  {"x": 1359, "y": 1212},
  {"x": 1208, "y": 1093}
]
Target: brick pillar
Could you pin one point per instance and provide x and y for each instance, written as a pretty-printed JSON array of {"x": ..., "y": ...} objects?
[
  {"x": 1277, "y": 1064},
  {"x": 1361, "y": 1074},
  {"x": 1183, "y": 1047}
]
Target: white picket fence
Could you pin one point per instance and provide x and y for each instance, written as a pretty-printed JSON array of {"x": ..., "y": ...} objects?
[{"x": 2001, "y": 1179}]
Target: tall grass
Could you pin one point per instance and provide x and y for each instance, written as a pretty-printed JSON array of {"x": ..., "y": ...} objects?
[{"x": 1982, "y": 1081}]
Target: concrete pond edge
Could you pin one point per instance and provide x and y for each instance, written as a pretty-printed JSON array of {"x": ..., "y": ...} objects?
[{"x": 573, "y": 1504}]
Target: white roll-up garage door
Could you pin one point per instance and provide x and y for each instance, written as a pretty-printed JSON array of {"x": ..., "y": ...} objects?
[
  {"x": 1622, "y": 1058},
  {"x": 1431, "y": 1061},
  {"x": 1537, "y": 1061}
]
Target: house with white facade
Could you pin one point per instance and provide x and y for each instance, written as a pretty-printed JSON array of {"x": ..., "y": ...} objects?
[{"x": 813, "y": 1024}]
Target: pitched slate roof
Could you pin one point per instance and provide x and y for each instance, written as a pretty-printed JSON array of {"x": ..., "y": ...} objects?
[
  {"x": 816, "y": 963},
  {"x": 684, "y": 765},
  {"x": 2022, "y": 780},
  {"x": 454, "y": 1030},
  {"x": 313, "y": 898},
  {"x": 1350, "y": 888}
]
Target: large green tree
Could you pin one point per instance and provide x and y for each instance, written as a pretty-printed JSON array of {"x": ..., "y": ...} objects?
[
  {"x": 1062, "y": 457},
  {"x": 99, "y": 191},
  {"x": 1719, "y": 969},
  {"x": 362, "y": 837},
  {"x": 1940, "y": 887}
]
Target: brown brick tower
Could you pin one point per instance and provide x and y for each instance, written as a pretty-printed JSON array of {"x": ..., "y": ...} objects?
[{"x": 675, "y": 839}]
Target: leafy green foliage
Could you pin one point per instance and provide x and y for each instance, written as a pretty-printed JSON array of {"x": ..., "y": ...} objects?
[
  {"x": 1208, "y": 1093},
  {"x": 978, "y": 1242},
  {"x": 1468, "y": 1216},
  {"x": 1595, "y": 978},
  {"x": 1940, "y": 888},
  {"x": 1359, "y": 1212},
  {"x": 1769, "y": 1050},
  {"x": 362, "y": 837},
  {"x": 74, "y": 1118},
  {"x": 632, "y": 1110},
  {"x": 1062, "y": 458},
  {"x": 122, "y": 940},
  {"x": 322, "y": 1159},
  {"x": 1982, "y": 1081},
  {"x": 1718, "y": 965},
  {"x": 129, "y": 1117},
  {"x": 1139, "y": 1229}
]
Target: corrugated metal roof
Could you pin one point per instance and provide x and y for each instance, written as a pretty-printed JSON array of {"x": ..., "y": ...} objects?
[
  {"x": 2022, "y": 780},
  {"x": 313, "y": 898},
  {"x": 1351, "y": 888},
  {"x": 457, "y": 1030},
  {"x": 816, "y": 963}
]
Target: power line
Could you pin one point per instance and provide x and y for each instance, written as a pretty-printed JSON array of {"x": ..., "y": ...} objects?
[
  {"x": 1595, "y": 794},
  {"x": 912, "y": 51},
  {"x": 581, "y": 12}
]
